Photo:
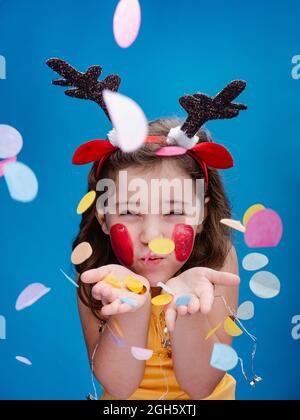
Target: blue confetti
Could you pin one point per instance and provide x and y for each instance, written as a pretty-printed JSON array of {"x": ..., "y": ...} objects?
[
  {"x": 183, "y": 300},
  {"x": 129, "y": 301}
]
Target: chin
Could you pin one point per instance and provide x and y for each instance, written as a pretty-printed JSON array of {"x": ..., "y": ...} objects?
[{"x": 155, "y": 278}]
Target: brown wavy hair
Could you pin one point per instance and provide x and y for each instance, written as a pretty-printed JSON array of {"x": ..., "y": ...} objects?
[{"x": 212, "y": 244}]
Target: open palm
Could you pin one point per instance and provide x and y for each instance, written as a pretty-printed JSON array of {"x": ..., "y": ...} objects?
[{"x": 111, "y": 296}]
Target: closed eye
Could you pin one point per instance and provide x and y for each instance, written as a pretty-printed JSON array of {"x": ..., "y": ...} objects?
[
  {"x": 128, "y": 213},
  {"x": 174, "y": 213}
]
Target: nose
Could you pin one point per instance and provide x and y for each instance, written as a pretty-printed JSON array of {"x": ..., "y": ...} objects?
[{"x": 151, "y": 229}]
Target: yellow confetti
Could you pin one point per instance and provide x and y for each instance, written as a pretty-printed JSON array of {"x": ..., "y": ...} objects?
[
  {"x": 113, "y": 281},
  {"x": 162, "y": 300},
  {"x": 143, "y": 291},
  {"x": 251, "y": 211},
  {"x": 81, "y": 253},
  {"x": 86, "y": 202},
  {"x": 133, "y": 284},
  {"x": 162, "y": 246},
  {"x": 231, "y": 328},
  {"x": 234, "y": 224},
  {"x": 212, "y": 332}
]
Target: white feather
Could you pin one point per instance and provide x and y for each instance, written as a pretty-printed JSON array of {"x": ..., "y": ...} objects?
[
  {"x": 113, "y": 137},
  {"x": 177, "y": 137}
]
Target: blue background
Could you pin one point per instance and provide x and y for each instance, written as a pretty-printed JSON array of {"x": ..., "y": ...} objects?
[{"x": 183, "y": 47}]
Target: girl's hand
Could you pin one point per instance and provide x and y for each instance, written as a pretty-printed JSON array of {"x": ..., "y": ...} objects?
[
  {"x": 110, "y": 295},
  {"x": 198, "y": 282}
]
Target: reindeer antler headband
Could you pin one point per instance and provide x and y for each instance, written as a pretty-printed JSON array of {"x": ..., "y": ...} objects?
[{"x": 200, "y": 108}]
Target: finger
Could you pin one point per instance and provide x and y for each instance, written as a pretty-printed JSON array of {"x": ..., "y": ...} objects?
[
  {"x": 206, "y": 298},
  {"x": 112, "y": 308},
  {"x": 102, "y": 291},
  {"x": 194, "y": 305},
  {"x": 221, "y": 278},
  {"x": 170, "y": 317},
  {"x": 95, "y": 275},
  {"x": 182, "y": 310}
]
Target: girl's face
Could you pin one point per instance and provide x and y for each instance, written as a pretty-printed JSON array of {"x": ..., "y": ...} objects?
[{"x": 151, "y": 213}]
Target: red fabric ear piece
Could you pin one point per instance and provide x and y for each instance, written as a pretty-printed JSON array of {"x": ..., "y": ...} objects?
[
  {"x": 214, "y": 155},
  {"x": 92, "y": 151},
  {"x": 201, "y": 163}
]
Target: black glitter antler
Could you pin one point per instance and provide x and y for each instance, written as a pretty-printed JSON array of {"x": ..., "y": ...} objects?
[
  {"x": 86, "y": 85},
  {"x": 202, "y": 108}
]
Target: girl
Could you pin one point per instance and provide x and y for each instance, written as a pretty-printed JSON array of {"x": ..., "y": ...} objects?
[{"x": 203, "y": 264}]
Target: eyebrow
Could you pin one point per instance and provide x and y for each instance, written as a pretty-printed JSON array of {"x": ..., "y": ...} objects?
[{"x": 166, "y": 201}]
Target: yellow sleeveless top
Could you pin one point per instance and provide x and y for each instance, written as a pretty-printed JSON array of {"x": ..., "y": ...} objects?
[{"x": 159, "y": 382}]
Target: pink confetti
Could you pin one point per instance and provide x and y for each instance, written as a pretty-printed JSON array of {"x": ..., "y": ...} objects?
[
  {"x": 24, "y": 360},
  {"x": 127, "y": 22},
  {"x": 148, "y": 256},
  {"x": 30, "y": 295},
  {"x": 264, "y": 229},
  {"x": 141, "y": 354},
  {"x": 171, "y": 151},
  {"x": 11, "y": 141},
  {"x": 5, "y": 162}
]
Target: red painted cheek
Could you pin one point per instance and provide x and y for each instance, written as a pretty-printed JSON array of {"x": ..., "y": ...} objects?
[
  {"x": 122, "y": 244},
  {"x": 183, "y": 237}
]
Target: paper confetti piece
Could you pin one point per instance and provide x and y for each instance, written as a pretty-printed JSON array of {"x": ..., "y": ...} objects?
[
  {"x": 2, "y": 328},
  {"x": 129, "y": 302},
  {"x": 81, "y": 253},
  {"x": 224, "y": 357},
  {"x": 133, "y": 284},
  {"x": 118, "y": 341},
  {"x": 113, "y": 281},
  {"x": 264, "y": 229},
  {"x": 251, "y": 211},
  {"x": 246, "y": 311},
  {"x": 162, "y": 246},
  {"x": 213, "y": 331},
  {"x": 117, "y": 327},
  {"x": 21, "y": 182},
  {"x": 255, "y": 261},
  {"x": 166, "y": 288},
  {"x": 86, "y": 202},
  {"x": 234, "y": 224},
  {"x": 171, "y": 151},
  {"x": 265, "y": 285},
  {"x": 183, "y": 300},
  {"x": 123, "y": 111},
  {"x": 161, "y": 300},
  {"x": 143, "y": 291},
  {"x": 127, "y": 22},
  {"x": 24, "y": 360},
  {"x": 231, "y": 328},
  {"x": 141, "y": 354},
  {"x": 148, "y": 256},
  {"x": 11, "y": 141},
  {"x": 30, "y": 295},
  {"x": 69, "y": 278}
]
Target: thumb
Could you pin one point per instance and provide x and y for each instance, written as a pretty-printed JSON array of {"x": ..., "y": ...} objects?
[{"x": 95, "y": 275}]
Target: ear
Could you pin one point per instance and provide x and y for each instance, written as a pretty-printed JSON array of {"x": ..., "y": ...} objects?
[
  {"x": 101, "y": 219},
  {"x": 200, "y": 226}
]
